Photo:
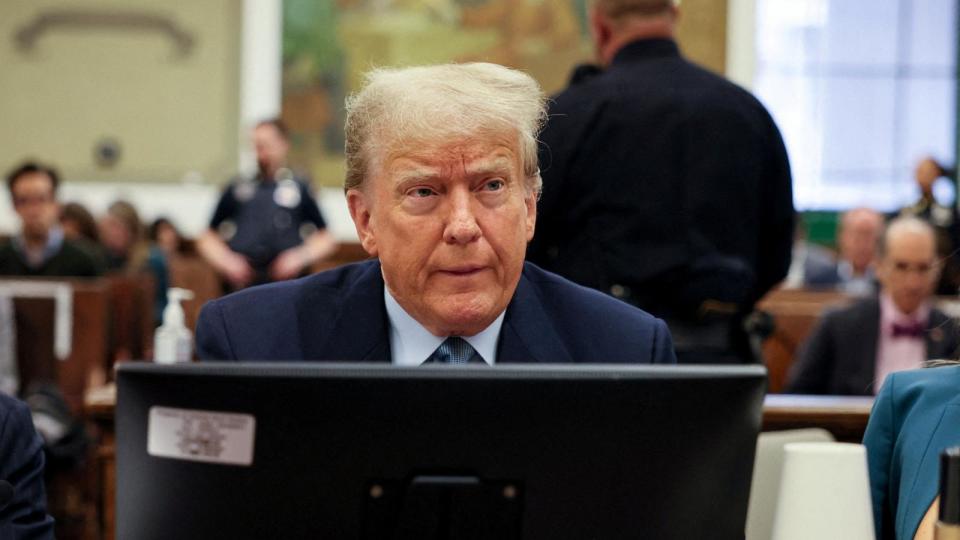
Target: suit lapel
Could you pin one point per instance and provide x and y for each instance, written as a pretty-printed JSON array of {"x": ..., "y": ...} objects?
[
  {"x": 527, "y": 334},
  {"x": 922, "y": 493},
  {"x": 359, "y": 331},
  {"x": 866, "y": 365},
  {"x": 939, "y": 336}
]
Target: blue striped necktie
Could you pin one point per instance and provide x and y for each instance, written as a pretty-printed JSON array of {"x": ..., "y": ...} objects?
[{"x": 454, "y": 350}]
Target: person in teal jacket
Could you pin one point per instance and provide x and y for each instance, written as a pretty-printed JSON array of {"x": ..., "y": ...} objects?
[{"x": 916, "y": 415}]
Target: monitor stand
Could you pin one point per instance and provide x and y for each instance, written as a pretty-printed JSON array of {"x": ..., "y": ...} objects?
[{"x": 443, "y": 507}]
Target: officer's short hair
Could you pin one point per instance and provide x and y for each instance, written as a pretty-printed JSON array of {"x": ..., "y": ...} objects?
[
  {"x": 618, "y": 9},
  {"x": 277, "y": 124}
]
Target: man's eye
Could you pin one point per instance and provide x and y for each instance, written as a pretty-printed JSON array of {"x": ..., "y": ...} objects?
[
  {"x": 494, "y": 185},
  {"x": 421, "y": 192}
]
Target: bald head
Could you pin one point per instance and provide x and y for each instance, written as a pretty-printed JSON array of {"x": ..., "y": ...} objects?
[
  {"x": 614, "y": 23},
  {"x": 908, "y": 268},
  {"x": 622, "y": 9}
]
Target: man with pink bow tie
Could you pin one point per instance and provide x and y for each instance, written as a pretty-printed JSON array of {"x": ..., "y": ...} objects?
[{"x": 853, "y": 349}]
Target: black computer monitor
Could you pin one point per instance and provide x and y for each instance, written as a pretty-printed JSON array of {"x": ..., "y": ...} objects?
[{"x": 305, "y": 450}]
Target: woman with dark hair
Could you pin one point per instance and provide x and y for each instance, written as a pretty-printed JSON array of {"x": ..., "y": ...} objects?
[
  {"x": 78, "y": 223},
  {"x": 163, "y": 234},
  {"x": 916, "y": 416}
]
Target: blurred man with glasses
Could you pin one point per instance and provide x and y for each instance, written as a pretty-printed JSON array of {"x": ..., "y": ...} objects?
[{"x": 39, "y": 248}]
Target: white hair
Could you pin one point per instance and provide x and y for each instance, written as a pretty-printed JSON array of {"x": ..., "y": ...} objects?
[
  {"x": 904, "y": 224},
  {"x": 408, "y": 107}
]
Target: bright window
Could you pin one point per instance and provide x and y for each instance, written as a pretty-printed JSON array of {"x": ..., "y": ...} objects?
[{"x": 861, "y": 89}]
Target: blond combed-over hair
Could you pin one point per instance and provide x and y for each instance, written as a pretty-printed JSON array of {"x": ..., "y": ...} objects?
[{"x": 401, "y": 108}]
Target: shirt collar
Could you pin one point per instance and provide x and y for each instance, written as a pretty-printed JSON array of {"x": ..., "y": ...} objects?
[
  {"x": 889, "y": 313},
  {"x": 646, "y": 48},
  {"x": 36, "y": 259},
  {"x": 411, "y": 343}
]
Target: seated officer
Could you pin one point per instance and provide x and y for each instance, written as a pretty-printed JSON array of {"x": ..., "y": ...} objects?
[
  {"x": 853, "y": 349},
  {"x": 40, "y": 248},
  {"x": 442, "y": 183}
]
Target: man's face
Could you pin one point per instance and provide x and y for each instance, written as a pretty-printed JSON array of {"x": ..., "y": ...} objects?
[
  {"x": 35, "y": 202},
  {"x": 858, "y": 239},
  {"x": 450, "y": 224},
  {"x": 909, "y": 271},
  {"x": 271, "y": 148}
]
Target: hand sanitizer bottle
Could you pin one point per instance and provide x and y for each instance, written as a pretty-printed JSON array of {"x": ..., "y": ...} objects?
[{"x": 173, "y": 341}]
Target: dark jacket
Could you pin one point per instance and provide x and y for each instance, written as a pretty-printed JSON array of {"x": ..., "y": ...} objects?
[
  {"x": 21, "y": 464},
  {"x": 339, "y": 315},
  {"x": 72, "y": 260},
  {"x": 665, "y": 184},
  {"x": 840, "y": 356}
]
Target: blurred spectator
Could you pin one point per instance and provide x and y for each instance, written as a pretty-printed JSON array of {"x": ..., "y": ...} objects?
[
  {"x": 78, "y": 223},
  {"x": 41, "y": 248},
  {"x": 805, "y": 256},
  {"x": 267, "y": 228},
  {"x": 80, "y": 226},
  {"x": 852, "y": 271},
  {"x": 944, "y": 219},
  {"x": 165, "y": 242},
  {"x": 853, "y": 348},
  {"x": 163, "y": 234},
  {"x": 121, "y": 234}
]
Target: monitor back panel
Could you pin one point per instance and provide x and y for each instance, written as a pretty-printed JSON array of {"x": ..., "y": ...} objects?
[{"x": 646, "y": 452}]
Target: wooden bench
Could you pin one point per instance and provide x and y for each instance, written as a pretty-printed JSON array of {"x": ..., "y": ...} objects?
[
  {"x": 795, "y": 313},
  {"x": 74, "y": 363}
]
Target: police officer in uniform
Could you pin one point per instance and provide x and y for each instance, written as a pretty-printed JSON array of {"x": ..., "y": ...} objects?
[
  {"x": 665, "y": 185},
  {"x": 268, "y": 228}
]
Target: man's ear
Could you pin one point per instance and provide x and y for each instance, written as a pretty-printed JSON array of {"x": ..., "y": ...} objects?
[
  {"x": 359, "y": 204},
  {"x": 601, "y": 32},
  {"x": 530, "y": 201}
]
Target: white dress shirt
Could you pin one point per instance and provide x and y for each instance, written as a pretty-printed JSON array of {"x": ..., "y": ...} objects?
[{"x": 411, "y": 344}]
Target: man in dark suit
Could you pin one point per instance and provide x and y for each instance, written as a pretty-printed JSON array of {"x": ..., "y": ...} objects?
[
  {"x": 664, "y": 185},
  {"x": 853, "y": 349},
  {"x": 442, "y": 182},
  {"x": 852, "y": 272},
  {"x": 23, "y": 504}
]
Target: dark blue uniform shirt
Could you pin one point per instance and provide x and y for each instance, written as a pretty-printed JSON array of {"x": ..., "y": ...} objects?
[{"x": 265, "y": 217}]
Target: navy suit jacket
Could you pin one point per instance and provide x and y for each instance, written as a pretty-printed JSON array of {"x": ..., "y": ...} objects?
[
  {"x": 21, "y": 464},
  {"x": 840, "y": 356},
  {"x": 339, "y": 315},
  {"x": 916, "y": 415}
]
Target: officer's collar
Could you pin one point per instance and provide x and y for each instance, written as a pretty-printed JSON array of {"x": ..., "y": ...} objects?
[{"x": 642, "y": 49}]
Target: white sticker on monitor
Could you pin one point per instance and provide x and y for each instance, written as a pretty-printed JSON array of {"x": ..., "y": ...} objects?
[{"x": 206, "y": 436}]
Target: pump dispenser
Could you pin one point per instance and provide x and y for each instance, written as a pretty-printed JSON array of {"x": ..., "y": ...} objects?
[{"x": 173, "y": 341}]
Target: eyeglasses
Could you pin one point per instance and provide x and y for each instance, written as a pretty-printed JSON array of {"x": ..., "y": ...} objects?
[
  {"x": 902, "y": 267},
  {"x": 31, "y": 200}
]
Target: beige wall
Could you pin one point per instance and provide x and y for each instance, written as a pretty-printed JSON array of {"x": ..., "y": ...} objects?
[
  {"x": 79, "y": 83},
  {"x": 702, "y": 33}
]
